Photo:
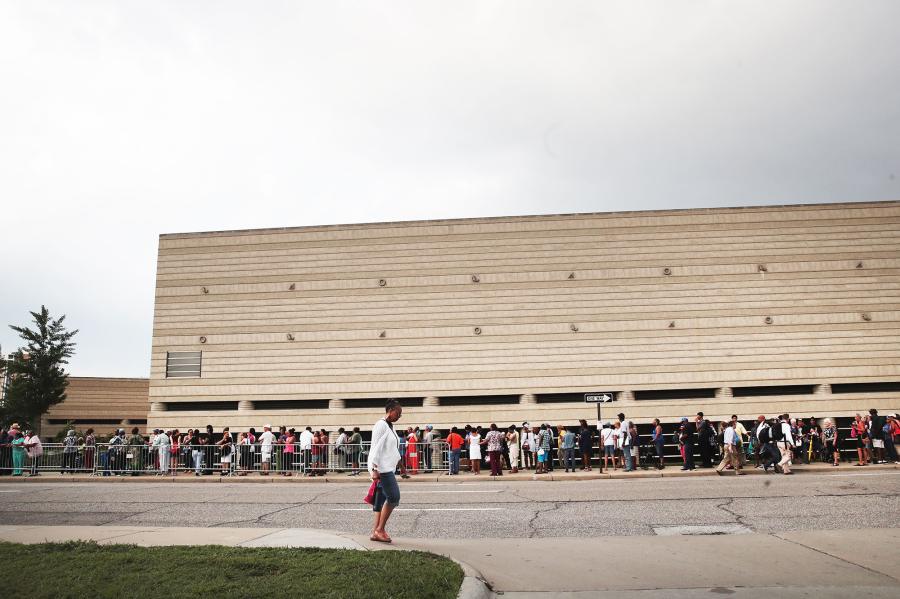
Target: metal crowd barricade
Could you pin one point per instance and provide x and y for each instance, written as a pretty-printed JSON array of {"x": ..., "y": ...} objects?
[
  {"x": 105, "y": 459},
  {"x": 126, "y": 460}
]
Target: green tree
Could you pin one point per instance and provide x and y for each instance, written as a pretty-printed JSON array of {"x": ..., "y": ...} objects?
[{"x": 37, "y": 378}]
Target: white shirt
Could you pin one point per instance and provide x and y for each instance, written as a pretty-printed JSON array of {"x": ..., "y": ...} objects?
[
  {"x": 162, "y": 440},
  {"x": 729, "y": 436},
  {"x": 38, "y": 449},
  {"x": 786, "y": 432},
  {"x": 306, "y": 438},
  {"x": 384, "y": 452},
  {"x": 529, "y": 439},
  {"x": 624, "y": 430},
  {"x": 266, "y": 440},
  {"x": 608, "y": 437}
]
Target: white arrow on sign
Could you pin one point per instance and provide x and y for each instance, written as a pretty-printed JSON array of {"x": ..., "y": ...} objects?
[{"x": 598, "y": 397}]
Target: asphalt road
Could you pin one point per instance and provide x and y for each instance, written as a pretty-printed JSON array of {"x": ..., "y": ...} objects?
[{"x": 466, "y": 509}]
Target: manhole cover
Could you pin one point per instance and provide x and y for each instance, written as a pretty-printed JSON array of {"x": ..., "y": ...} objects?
[{"x": 706, "y": 529}]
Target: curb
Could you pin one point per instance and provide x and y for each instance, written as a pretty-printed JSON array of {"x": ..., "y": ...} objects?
[
  {"x": 53, "y": 477},
  {"x": 473, "y": 585}
]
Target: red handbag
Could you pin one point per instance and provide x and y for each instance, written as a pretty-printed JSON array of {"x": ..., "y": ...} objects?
[{"x": 370, "y": 496}]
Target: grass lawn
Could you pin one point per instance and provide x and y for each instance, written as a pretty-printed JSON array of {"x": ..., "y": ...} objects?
[{"x": 79, "y": 570}]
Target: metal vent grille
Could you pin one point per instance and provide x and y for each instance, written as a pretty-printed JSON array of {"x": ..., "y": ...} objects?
[{"x": 183, "y": 364}]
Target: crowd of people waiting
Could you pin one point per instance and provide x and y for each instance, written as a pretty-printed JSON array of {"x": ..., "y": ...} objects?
[{"x": 772, "y": 443}]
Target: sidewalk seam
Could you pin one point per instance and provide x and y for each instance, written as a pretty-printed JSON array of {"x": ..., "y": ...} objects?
[{"x": 846, "y": 561}]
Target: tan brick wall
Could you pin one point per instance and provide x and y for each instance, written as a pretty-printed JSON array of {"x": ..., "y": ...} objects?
[
  {"x": 301, "y": 313},
  {"x": 93, "y": 402}
]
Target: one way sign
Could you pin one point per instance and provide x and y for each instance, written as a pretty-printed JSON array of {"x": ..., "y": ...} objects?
[{"x": 601, "y": 397}]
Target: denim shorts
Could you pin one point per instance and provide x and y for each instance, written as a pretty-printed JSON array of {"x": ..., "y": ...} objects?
[
  {"x": 387, "y": 490},
  {"x": 608, "y": 450}
]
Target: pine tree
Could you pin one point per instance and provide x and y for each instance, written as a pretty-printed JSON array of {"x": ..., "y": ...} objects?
[{"x": 37, "y": 379}]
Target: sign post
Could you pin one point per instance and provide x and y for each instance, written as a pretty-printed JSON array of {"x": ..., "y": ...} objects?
[{"x": 600, "y": 398}]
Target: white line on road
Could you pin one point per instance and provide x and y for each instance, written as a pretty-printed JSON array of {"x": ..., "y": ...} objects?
[
  {"x": 449, "y": 484},
  {"x": 423, "y": 509},
  {"x": 860, "y": 474},
  {"x": 10, "y": 490},
  {"x": 448, "y": 491}
]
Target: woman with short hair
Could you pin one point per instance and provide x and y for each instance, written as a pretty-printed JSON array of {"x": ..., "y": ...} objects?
[{"x": 384, "y": 455}]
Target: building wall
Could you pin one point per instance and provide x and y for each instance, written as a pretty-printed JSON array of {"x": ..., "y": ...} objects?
[
  {"x": 710, "y": 301},
  {"x": 103, "y": 404}
]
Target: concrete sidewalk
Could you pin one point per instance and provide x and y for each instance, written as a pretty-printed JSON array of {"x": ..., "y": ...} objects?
[
  {"x": 556, "y": 475},
  {"x": 830, "y": 563}
]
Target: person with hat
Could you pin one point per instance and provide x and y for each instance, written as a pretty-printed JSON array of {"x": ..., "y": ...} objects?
[{"x": 18, "y": 449}]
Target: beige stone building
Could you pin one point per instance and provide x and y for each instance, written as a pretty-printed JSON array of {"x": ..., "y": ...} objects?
[
  {"x": 103, "y": 404},
  {"x": 733, "y": 310}
]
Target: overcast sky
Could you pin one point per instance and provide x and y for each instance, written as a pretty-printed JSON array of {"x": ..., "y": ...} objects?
[{"x": 123, "y": 120}]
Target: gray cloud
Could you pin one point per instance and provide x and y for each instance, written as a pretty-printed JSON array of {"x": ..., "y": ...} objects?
[{"x": 122, "y": 120}]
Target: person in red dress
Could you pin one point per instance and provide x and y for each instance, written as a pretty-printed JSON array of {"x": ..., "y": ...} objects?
[{"x": 412, "y": 451}]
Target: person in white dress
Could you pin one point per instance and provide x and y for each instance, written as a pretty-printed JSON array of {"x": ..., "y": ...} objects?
[{"x": 475, "y": 451}]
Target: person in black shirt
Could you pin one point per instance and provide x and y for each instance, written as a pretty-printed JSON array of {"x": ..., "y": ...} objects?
[
  {"x": 585, "y": 444},
  {"x": 876, "y": 433},
  {"x": 688, "y": 432},
  {"x": 706, "y": 439}
]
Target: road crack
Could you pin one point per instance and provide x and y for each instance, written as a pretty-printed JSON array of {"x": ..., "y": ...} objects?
[
  {"x": 532, "y": 529},
  {"x": 739, "y": 518}
]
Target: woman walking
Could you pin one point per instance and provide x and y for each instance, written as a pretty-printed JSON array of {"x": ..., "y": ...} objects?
[
  {"x": 384, "y": 455},
  {"x": 475, "y": 451}
]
